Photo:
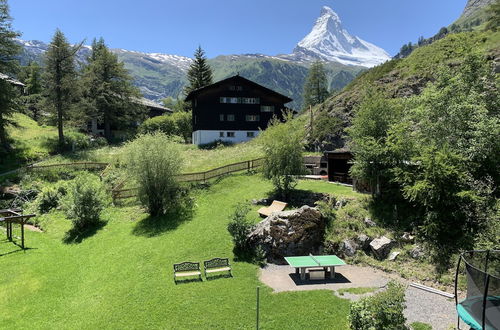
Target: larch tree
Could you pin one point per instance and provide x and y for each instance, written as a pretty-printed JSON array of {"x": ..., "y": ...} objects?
[
  {"x": 316, "y": 86},
  {"x": 61, "y": 79},
  {"x": 8, "y": 65},
  {"x": 108, "y": 90},
  {"x": 199, "y": 74}
]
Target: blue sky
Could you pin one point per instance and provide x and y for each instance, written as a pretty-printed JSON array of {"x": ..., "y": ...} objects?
[{"x": 227, "y": 26}]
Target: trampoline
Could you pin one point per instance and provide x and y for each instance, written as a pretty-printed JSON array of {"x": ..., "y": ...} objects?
[{"x": 481, "y": 307}]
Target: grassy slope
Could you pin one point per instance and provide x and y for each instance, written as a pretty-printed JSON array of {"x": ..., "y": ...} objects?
[
  {"x": 29, "y": 141},
  {"x": 402, "y": 78},
  {"x": 122, "y": 276}
]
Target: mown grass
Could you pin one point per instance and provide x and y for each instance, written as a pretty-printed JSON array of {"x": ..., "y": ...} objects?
[{"x": 121, "y": 276}]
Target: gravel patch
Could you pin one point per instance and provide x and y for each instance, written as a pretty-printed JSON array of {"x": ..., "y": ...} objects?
[{"x": 421, "y": 306}]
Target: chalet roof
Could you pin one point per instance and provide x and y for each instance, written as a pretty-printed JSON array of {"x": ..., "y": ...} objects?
[
  {"x": 150, "y": 104},
  {"x": 11, "y": 80},
  {"x": 285, "y": 98},
  {"x": 344, "y": 150}
]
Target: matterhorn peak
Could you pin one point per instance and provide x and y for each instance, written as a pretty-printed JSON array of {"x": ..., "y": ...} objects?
[{"x": 329, "y": 41}]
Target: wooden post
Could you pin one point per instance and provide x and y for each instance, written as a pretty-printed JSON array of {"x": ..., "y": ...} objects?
[
  {"x": 22, "y": 233},
  {"x": 258, "y": 298},
  {"x": 311, "y": 122}
]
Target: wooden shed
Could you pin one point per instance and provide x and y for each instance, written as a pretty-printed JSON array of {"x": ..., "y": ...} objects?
[{"x": 339, "y": 164}]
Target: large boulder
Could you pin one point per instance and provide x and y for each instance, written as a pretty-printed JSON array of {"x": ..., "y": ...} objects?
[
  {"x": 381, "y": 247},
  {"x": 349, "y": 248},
  {"x": 288, "y": 233},
  {"x": 363, "y": 241}
]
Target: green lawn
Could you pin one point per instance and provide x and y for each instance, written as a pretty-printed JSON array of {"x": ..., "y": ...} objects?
[{"x": 121, "y": 277}]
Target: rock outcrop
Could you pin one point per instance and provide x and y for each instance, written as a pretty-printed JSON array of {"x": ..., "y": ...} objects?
[
  {"x": 287, "y": 233},
  {"x": 381, "y": 247}
]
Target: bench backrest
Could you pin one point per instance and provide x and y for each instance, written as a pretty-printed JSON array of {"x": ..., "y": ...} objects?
[
  {"x": 216, "y": 263},
  {"x": 186, "y": 266},
  {"x": 277, "y": 206}
]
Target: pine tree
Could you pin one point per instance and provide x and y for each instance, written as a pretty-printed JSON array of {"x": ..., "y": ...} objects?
[
  {"x": 60, "y": 79},
  {"x": 34, "y": 87},
  {"x": 199, "y": 73},
  {"x": 316, "y": 86},
  {"x": 108, "y": 90},
  {"x": 8, "y": 65}
]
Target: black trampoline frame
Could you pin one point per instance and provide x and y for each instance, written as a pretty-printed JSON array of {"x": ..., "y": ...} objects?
[{"x": 487, "y": 280}]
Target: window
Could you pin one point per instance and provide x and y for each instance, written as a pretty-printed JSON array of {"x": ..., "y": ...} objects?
[
  {"x": 221, "y": 134},
  {"x": 250, "y": 100},
  {"x": 232, "y": 100},
  {"x": 267, "y": 108},
  {"x": 221, "y": 117},
  {"x": 252, "y": 117},
  {"x": 230, "y": 134},
  {"x": 223, "y": 100},
  {"x": 230, "y": 117},
  {"x": 235, "y": 88},
  {"x": 250, "y": 134}
]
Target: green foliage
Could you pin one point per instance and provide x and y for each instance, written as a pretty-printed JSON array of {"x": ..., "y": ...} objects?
[
  {"x": 283, "y": 145},
  {"x": 153, "y": 161},
  {"x": 316, "y": 86},
  {"x": 85, "y": 200},
  {"x": 199, "y": 74},
  {"x": 178, "y": 124},
  {"x": 9, "y": 49},
  {"x": 240, "y": 226},
  {"x": 323, "y": 129},
  {"x": 493, "y": 12},
  {"x": 420, "y": 326},
  {"x": 381, "y": 311},
  {"x": 438, "y": 156},
  {"x": 48, "y": 199},
  {"x": 60, "y": 80},
  {"x": 368, "y": 138},
  {"x": 108, "y": 90},
  {"x": 75, "y": 141}
]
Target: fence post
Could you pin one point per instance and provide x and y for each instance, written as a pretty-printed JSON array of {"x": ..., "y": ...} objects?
[{"x": 248, "y": 166}]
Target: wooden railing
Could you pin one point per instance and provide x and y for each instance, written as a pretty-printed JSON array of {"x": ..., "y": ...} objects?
[
  {"x": 119, "y": 193},
  {"x": 83, "y": 165}
]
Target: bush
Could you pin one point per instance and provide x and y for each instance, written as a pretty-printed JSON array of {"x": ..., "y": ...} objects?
[
  {"x": 239, "y": 226},
  {"x": 381, "y": 311},
  {"x": 85, "y": 200},
  {"x": 283, "y": 144},
  {"x": 177, "y": 124},
  {"x": 154, "y": 161},
  {"x": 47, "y": 199},
  {"x": 74, "y": 141}
]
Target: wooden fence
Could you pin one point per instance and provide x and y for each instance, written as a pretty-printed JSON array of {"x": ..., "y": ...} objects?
[
  {"x": 78, "y": 165},
  {"x": 119, "y": 193}
]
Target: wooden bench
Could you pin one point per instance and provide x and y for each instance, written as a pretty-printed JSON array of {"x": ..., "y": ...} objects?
[
  {"x": 185, "y": 269},
  {"x": 216, "y": 265},
  {"x": 276, "y": 206}
]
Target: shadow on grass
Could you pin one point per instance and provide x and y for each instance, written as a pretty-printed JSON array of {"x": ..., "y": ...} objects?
[
  {"x": 218, "y": 276},
  {"x": 295, "y": 198},
  {"x": 74, "y": 236},
  {"x": 154, "y": 226},
  {"x": 188, "y": 280}
]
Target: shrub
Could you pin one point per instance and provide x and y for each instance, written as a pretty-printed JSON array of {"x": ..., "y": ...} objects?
[
  {"x": 283, "y": 144},
  {"x": 48, "y": 199},
  {"x": 178, "y": 124},
  {"x": 85, "y": 200},
  {"x": 154, "y": 161},
  {"x": 381, "y": 311},
  {"x": 239, "y": 226}
]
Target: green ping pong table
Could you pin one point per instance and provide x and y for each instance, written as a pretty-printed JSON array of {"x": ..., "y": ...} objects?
[{"x": 301, "y": 264}]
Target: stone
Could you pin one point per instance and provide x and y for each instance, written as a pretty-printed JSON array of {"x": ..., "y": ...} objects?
[
  {"x": 363, "y": 241},
  {"x": 288, "y": 233},
  {"x": 393, "y": 255},
  {"x": 381, "y": 247},
  {"x": 417, "y": 252},
  {"x": 369, "y": 222},
  {"x": 407, "y": 238},
  {"x": 262, "y": 201},
  {"x": 349, "y": 248}
]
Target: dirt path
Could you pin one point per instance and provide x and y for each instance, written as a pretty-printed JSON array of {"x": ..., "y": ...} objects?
[{"x": 422, "y": 306}]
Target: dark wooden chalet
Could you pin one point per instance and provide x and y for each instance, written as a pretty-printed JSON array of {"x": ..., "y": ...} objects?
[{"x": 233, "y": 110}]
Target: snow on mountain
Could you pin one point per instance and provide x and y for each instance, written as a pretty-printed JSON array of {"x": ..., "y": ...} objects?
[{"x": 329, "y": 41}]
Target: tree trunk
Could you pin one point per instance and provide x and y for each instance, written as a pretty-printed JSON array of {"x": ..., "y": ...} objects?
[
  {"x": 107, "y": 127},
  {"x": 4, "y": 143},
  {"x": 59, "y": 106}
]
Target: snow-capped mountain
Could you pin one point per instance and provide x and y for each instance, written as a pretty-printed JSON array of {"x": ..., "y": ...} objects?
[{"x": 329, "y": 41}]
